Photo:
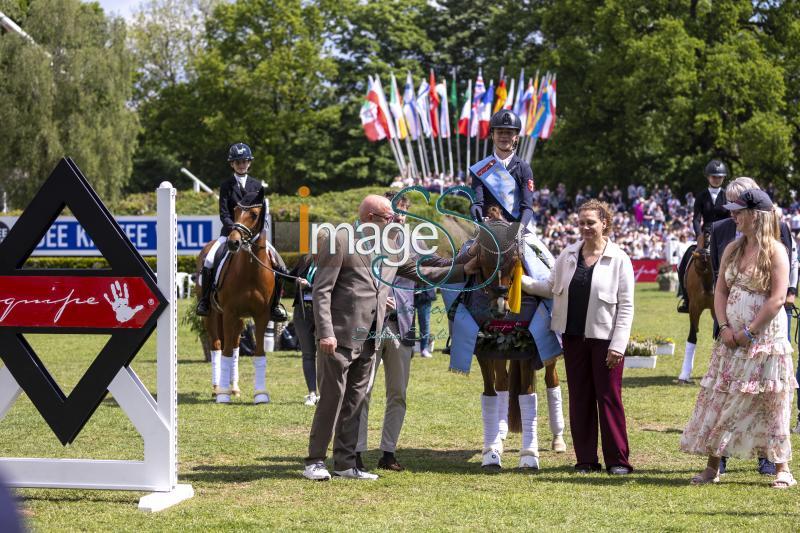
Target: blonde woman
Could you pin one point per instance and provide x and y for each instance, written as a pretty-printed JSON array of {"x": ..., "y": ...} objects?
[{"x": 744, "y": 405}]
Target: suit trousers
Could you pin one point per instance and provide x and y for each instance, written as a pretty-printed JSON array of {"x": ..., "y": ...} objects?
[
  {"x": 595, "y": 389},
  {"x": 343, "y": 380},
  {"x": 304, "y": 329},
  {"x": 396, "y": 359}
]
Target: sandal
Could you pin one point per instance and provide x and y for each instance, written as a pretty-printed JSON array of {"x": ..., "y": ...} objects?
[
  {"x": 701, "y": 479},
  {"x": 784, "y": 480}
]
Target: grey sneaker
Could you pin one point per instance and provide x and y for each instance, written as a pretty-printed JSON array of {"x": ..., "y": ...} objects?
[
  {"x": 316, "y": 472},
  {"x": 354, "y": 473}
]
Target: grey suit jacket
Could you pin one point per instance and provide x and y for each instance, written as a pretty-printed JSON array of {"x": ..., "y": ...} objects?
[{"x": 349, "y": 301}]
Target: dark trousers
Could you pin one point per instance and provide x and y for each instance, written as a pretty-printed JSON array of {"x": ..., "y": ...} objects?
[
  {"x": 595, "y": 389},
  {"x": 343, "y": 380},
  {"x": 304, "y": 328}
]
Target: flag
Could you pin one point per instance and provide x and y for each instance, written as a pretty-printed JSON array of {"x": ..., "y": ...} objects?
[
  {"x": 396, "y": 106},
  {"x": 535, "y": 96},
  {"x": 525, "y": 104},
  {"x": 375, "y": 103},
  {"x": 541, "y": 115},
  {"x": 434, "y": 106},
  {"x": 444, "y": 112},
  {"x": 383, "y": 107},
  {"x": 510, "y": 100},
  {"x": 550, "y": 122},
  {"x": 463, "y": 120},
  {"x": 477, "y": 99},
  {"x": 501, "y": 96},
  {"x": 520, "y": 92},
  {"x": 369, "y": 119},
  {"x": 422, "y": 107},
  {"x": 409, "y": 108},
  {"x": 486, "y": 112}
]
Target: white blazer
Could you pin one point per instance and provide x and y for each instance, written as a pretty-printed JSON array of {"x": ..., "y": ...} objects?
[{"x": 610, "y": 311}]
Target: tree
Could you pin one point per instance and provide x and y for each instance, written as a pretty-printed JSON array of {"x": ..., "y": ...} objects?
[{"x": 71, "y": 99}]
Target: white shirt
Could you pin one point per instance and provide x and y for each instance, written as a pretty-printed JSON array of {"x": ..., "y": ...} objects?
[
  {"x": 505, "y": 161},
  {"x": 241, "y": 179},
  {"x": 714, "y": 193}
]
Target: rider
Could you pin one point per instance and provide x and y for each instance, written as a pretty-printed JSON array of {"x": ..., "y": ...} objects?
[
  {"x": 708, "y": 208},
  {"x": 517, "y": 205},
  {"x": 231, "y": 193}
]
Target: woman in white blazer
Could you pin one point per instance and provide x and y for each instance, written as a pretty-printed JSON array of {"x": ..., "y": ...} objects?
[{"x": 592, "y": 289}]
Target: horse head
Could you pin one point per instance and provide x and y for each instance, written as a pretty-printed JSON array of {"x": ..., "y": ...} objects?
[
  {"x": 508, "y": 240},
  {"x": 248, "y": 221}
]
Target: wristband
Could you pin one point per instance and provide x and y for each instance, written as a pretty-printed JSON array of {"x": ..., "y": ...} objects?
[{"x": 723, "y": 327}]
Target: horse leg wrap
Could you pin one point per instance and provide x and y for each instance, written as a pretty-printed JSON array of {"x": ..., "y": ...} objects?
[
  {"x": 688, "y": 361},
  {"x": 491, "y": 425},
  {"x": 502, "y": 413},
  {"x": 556, "y": 417},
  {"x": 234, "y": 383},
  {"x": 260, "y": 380},
  {"x": 224, "y": 393},
  {"x": 216, "y": 355},
  {"x": 528, "y": 413}
]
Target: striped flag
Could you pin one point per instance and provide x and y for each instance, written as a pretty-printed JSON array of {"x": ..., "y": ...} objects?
[
  {"x": 477, "y": 99},
  {"x": 466, "y": 111},
  {"x": 510, "y": 100},
  {"x": 535, "y": 96},
  {"x": 370, "y": 120},
  {"x": 550, "y": 122},
  {"x": 383, "y": 106},
  {"x": 444, "y": 112},
  {"x": 396, "y": 106},
  {"x": 542, "y": 113},
  {"x": 433, "y": 102},
  {"x": 409, "y": 108},
  {"x": 422, "y": 107},
  {"x": 501, "y": 94},
  {"x": 486, "y": 112}
]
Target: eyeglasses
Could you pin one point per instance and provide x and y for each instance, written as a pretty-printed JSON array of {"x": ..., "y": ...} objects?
[{"x": 388, "y": 217}]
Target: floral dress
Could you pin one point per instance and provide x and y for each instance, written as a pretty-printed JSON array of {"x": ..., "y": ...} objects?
[{"x": 744, "y": 406}]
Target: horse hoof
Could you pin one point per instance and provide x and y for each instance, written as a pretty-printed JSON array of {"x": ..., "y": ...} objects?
[
  {"x": 529, "y": 462},
  {"x": 223, "y": 398},
  {"x": 261, "y": 397},
  {"x": 214, "y": 391},
  {"x": 558, "y": 445},
  {"x": 236, "y": 392}
]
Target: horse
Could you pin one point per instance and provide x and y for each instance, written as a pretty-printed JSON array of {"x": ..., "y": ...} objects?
[
  {"x": 516, "y": 384},
  {"x": 245, "y": 288},
  {"x": 699, "y": 283}
]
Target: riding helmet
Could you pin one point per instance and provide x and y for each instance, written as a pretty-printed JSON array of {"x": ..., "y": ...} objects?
[
  {"x": 238, "y": 152},
  {"x": 505, "y": 120},
  {"x": 715, "y": 167}
]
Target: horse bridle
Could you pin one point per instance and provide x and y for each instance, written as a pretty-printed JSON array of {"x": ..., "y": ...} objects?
[
  {"x": 516, "y": 241},
  {"x": 249, "y": 237}
]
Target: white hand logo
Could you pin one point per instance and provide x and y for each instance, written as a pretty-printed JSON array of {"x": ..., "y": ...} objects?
[{"x": 120, "y": 302}]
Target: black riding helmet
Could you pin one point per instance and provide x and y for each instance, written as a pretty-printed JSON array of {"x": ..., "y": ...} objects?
[
  {"x": 238, "y": 152},
  {"x": 715, "y": 167},
  {"x": 505, "y": 120}
]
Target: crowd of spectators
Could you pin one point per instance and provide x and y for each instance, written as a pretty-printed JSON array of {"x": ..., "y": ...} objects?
[{"x": 654, "y": 224}]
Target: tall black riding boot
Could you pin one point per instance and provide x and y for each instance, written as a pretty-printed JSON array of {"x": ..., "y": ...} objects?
[
  {"x": 278, "y": 313},
  {"x": 207, "y": 281}
]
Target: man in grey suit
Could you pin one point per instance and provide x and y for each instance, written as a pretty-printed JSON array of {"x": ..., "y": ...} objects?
[
  {"x": 349, "y": 308},
  {"x": 397, "y": 343}
]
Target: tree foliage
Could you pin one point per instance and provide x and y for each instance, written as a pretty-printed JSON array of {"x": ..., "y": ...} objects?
[{"x": 67, "y": 94}]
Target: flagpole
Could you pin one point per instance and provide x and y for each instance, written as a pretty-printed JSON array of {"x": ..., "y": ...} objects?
[
  {"x": 458, "y": 116},
  {"x": 410, "y": 149},
  {"x": 469, "y": 130}
]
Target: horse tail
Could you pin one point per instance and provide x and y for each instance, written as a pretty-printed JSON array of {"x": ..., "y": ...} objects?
[{"x": 514, "y": 388}]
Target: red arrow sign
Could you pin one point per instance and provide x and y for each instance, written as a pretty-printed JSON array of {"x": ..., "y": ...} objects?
[{"x": 75, "y": 302}]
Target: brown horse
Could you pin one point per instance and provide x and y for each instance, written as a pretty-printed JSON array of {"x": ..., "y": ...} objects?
[
  {"x": 511, "y": 380},
  {"x": 245, "y": 288},
  {"x": 699, "y": 285}
]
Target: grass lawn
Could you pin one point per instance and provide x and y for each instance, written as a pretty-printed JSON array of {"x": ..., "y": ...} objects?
[{"x": 245, "y": 461}]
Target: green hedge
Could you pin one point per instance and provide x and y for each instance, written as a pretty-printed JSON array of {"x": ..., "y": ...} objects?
[{"x": 186, "y": 263}]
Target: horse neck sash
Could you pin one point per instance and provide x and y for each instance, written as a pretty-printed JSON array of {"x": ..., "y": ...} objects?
[{"x": 500, "y": 183}]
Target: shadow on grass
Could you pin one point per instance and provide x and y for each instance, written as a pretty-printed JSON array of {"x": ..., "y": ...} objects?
[
  {"x": 650, "y": 381},
  {"x": 666, "y": 430}
]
